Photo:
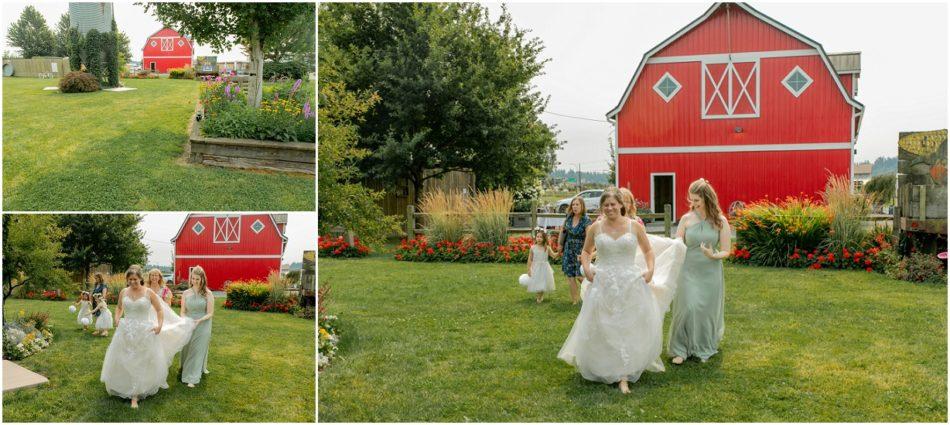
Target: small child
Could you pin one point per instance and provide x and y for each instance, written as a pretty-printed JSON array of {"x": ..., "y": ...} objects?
[
  {"x": 85, "y": 310},
  {"x": 540, "y": 276},
  {"x": 104, "y": 321}
]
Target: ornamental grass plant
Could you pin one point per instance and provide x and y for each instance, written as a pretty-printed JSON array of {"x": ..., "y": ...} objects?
[
  {"x": 489, "y": 215},
  {"x": 446, "y": 214}
]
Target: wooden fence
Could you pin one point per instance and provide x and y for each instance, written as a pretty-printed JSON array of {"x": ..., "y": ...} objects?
[
  {"x": 43, "y": 67},
  {"x": 414, "y": 225}
]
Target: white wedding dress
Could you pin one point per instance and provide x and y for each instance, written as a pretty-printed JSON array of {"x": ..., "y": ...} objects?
[
  {"x": 176, "y": 330},
  {"x": 135, "y": 363},
  {"x": 619, "y": 331}
]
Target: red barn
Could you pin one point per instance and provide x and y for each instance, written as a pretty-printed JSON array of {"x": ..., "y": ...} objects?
[
  {"x": 742, "y": 100},
  {"x": 167, "y": 49},
  {"x": 230, "y": 247}
]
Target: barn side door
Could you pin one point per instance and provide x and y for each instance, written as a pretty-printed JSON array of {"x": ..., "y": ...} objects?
[{"x": 662, "y": 186}]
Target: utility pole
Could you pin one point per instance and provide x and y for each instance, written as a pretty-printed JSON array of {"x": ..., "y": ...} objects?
[{"x": 579, "y": 187}]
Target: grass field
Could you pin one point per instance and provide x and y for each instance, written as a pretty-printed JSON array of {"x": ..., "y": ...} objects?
[
  {"x": 262, "y": 370},
  {"x": 123, "y": 151},
  {"x": 454, "y": 342}
]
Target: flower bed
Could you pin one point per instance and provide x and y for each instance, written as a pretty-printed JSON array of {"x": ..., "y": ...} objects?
[
  {"x": 329, "y": 340},
  {"x": 288, "y": 116},
  {"x": 466, "y": 251},
  {"x": 329, "y": 246},
  {"x": 49, "y": 295},
  {"x": 26, "y": 335}
]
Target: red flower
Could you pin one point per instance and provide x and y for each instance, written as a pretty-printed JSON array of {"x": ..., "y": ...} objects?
[
  {"x": 430, "y": 251},
  {"x": 867, "y": 262},
  {"x": 816, "y": 266},
  {"x": 831, "y": 257},
  {"x": 399, "y": 257},
  {"x": 869, "y": 269},
  {"x": 811, "y": 256}
]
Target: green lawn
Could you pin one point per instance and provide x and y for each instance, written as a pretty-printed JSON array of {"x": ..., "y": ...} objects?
[
  {"x": 123, "y": 151},
  {"x": 453, "y": 342},
  {"x": 262, "y": 370}
]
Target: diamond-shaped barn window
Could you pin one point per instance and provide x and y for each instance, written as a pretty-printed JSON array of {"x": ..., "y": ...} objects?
[
  {"x": 667, "y": 87},
  {"x": 797, "y": 81},
  {"x": 181, "y": 43},
  {"x": 153, "y": 43},
  {"x": 257, "y": 227},
  {"x": 198, "y": 228}
]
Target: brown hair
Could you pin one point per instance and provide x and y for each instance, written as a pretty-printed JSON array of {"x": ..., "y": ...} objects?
[
  {"x": 613, "y": 192},
  {"x": 570, "y": 207},
  {"x": 200, "y": 272},
  {"x": 98, "y": 278},
  {"x": 541, "y": 231},
  {"x": 134, "y": 270},
  {"x": 704, "y": 190}
]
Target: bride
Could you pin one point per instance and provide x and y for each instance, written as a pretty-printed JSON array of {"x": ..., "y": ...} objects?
[
  {"x": 618, "y": 332},
  {"x": 137, "y": 360}
]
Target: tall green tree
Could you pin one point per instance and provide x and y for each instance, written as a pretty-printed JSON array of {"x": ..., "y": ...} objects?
[
  {"x": 102, "y": 239},
  {"x": 295, "y": 42},
  {"x": 344, "y": 202},
  {"x": 61, "y": 44},
  {"x": 31, "y": 35},
  {"x": 222, "y": 25},
  {"x": 32, "y": 258},
  {"x": 74, "y": 48},
  {"x": 125, "y": 54},
  {"x": 455, "y": 90}
]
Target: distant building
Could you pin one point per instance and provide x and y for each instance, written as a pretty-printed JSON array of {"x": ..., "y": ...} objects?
[
  {"x": 91, "y": 16},
  {"x": 862, "y": 173},
  {"x": 230, "y": 247},
  {"x": 167, "y": 49}
]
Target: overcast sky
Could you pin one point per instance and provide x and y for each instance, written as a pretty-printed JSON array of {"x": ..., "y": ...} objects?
[
  {"x": 131, "y": 19},
  {"x": 160, "y": 228},
  {"x": 595, "y": 48}
]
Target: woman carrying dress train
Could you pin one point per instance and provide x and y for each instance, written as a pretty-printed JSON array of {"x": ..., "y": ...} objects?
[
  {"x": 618, "y": 332},
  {"x": 197, "y": 303},
  {"x": 697, "y": 325},
  {"x": 571, "y": 241},
  {"x": 134, "y": 366}
]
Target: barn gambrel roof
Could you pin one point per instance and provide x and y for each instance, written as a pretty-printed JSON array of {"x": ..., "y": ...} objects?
[
  {"x": 764, "y": 18},
  {"x": 273, "y": 220}
]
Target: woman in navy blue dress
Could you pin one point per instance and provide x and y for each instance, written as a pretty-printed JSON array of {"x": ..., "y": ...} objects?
[{"x": 572, "y": 242}]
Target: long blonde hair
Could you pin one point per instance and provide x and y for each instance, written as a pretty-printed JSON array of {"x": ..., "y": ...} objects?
[
  {"x": 626, "y": 194},
  {"x": 704, "y": 190},
  {"x": 200, "y": 272},
  {"x": 161, "y": 280}
]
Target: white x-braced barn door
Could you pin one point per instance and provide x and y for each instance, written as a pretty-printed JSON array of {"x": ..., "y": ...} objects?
[
  {"x": 730, "y": 90},
  {"x": 167, "y": 45},
  {"x": 227, "y": 229}
]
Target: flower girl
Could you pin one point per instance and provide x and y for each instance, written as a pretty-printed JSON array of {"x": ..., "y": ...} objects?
[
  {"x": 104, "y": 321},
  {"x": 540, "y": 276},
  {"x": 85, "y": 310}
]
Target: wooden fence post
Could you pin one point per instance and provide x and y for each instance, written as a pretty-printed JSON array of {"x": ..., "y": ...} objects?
[
  {"x": 897, "y": 224},
  {"x": 667, "y": 219},
  {"x": 411, "y": 221}
]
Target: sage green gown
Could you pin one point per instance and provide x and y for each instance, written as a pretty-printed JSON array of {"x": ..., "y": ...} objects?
[
  {"x": 194, "y": 355},
  {"x": 696, "y": 326}
]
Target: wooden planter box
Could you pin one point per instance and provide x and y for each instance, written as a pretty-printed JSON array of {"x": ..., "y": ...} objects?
[{"x": 250, "y": 154}]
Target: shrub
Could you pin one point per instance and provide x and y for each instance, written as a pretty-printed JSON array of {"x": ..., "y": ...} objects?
[
  {"x": 185, "y": 73},
  {"x": 78, "y": 82},
  {"x": 328, "y": 246},
  {"x": 919, "y": 267},
  {"x": 768, "y": 233},
  {"x": 288, "y": 119},
  {"x": 292, "y": 70},
  {"x": 247, "y": 295},
  {"x": 446, "y": 214},
  {"x": 527, "y": 198},
  {"x": 489, "y": 215},
  {"x": 92, "y": 56}
]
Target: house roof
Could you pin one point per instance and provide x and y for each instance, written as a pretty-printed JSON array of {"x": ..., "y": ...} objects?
[
  {"x": 275, "y": 219},
  {"x": 186, "y": 37},
  {"x": 709, "y": 12},
  {"x": 863, "y": 168}
]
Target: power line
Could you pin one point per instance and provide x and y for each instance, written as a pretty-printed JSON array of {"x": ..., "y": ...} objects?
[{"x": 576, "y": 117}]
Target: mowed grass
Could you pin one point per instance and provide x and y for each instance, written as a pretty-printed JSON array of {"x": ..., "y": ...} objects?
[
  {"x": 123, "y": 151},
  {"x": 262, "y": 370},
  {"x": 464, "y": 342}
]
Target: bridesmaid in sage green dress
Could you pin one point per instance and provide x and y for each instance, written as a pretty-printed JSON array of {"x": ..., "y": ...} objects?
[
  {"x": 198, "y": 304},
  {"x": 696, "y": 326}
]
